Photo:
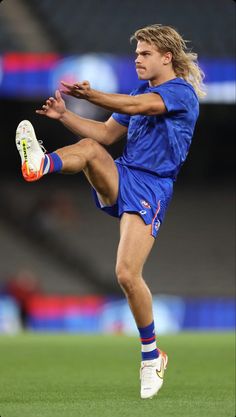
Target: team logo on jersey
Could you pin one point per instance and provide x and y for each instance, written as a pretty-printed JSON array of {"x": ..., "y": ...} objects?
[{"x": 145, "y": 204}]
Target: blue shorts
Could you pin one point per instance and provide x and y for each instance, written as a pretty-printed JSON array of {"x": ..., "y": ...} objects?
[{"x": 142, "y": 193}]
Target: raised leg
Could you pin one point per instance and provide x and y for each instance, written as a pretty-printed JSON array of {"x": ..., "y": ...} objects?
[{"x": 97, "y": 164}]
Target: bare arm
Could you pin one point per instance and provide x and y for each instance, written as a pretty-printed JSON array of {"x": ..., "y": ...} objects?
[
  {"x": 105, "y": 133},
  {"x": 147, "y": 104}
]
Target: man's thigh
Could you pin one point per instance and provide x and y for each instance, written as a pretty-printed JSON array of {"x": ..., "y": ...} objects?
[
  {"x": 102, "y": 174},
  {"x": 135, "y": 244}
]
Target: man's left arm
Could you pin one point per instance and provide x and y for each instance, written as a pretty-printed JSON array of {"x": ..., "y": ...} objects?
[{"x": 147, "y": 104}]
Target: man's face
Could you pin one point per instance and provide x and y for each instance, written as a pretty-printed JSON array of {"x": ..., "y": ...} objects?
[{"x": 149, "y": 62}]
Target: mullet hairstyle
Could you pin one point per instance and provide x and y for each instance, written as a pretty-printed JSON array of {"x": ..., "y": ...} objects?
[{"x": 167, "y": 39}]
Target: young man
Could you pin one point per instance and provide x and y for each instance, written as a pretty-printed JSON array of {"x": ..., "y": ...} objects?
[{"x": 159, "y": 119}]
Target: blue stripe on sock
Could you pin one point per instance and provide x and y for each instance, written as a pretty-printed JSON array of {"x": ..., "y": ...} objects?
[
  {"x": 147, "y": 332},
  {"x": 150, "y": 355},
  {"x": 52, "y": 163},
  {"x": 57, "y": 162}
]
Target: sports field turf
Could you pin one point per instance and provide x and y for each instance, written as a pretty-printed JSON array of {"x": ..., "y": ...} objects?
[{"x": 97, "y": 376}]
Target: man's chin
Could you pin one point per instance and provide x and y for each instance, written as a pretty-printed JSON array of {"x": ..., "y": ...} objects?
[{"x": 142, "y": 77}]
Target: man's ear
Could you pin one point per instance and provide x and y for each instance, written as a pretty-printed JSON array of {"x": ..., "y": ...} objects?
[{"x": 167, "y": 58}]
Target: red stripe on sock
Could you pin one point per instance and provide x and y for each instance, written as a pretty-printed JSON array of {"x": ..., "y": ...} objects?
[
  {"x": 150, "y": 339},
  {"x": 51, "y": 169}
]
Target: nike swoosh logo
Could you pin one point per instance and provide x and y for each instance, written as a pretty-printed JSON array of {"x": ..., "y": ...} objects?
[{"x": 162, "y": 370}]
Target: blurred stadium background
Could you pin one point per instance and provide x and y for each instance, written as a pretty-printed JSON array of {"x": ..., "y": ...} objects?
[{"x": 57, "y": 250}]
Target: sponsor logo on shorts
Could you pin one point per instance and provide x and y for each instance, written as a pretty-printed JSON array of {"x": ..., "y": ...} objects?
[
  {"x": 143, "y": 212},
  {"x": 145, "y": 204}
]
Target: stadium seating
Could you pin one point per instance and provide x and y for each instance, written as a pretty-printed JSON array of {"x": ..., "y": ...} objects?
[
  {"x": 80, "y": 257},
  {"x": 8, "y": 42},
  {"x": 105, "y": 26},
  {"x": 87, "y": 28}
]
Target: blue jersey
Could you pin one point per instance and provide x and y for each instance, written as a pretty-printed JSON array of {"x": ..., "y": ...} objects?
[{"x": 159, "y": 144}]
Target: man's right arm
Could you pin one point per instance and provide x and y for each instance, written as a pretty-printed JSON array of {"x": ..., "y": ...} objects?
[{"x": 105, "y": 133}]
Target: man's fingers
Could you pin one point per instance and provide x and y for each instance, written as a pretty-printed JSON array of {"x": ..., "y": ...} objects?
[
  {"x": 68, "y": 93},
  {"x": 58, "y": 95},
  {"x": 40, "y": 112},
  {"x": 79, "y": 86},
  {"x": 48, "y": 104},
  {"x": 82, "y": 85},
  {"x": 67, "y": 85}
]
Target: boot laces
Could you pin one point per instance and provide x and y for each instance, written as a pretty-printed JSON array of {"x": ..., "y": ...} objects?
[
  {"x": 29, "y": 141},
  {"x": 42, "y": 146},
  {"x": 147, "y": 374}
]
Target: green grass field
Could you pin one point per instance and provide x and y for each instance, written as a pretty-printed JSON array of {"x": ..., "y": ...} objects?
[{"x": 98, "y": 376}]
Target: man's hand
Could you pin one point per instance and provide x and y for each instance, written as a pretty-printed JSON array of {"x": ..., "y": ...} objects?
[
  {"x": 147, "y": 104},
  {"x": 54, "y": 107},
  {"x": 81, "y": 90}
]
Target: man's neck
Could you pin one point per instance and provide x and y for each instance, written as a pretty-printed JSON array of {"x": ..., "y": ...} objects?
[{"x": 162, "y": 79}]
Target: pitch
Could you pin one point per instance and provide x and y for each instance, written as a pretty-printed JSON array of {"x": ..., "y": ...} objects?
[{"x": 81, "y": 375}]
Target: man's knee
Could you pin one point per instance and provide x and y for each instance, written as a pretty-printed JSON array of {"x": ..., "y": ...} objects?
[
  {"x": 126, "y": 278},
  {"x": 87, "y": 142},
  {"x": 85, "y": 146},
  {"x": 88, "y": 148}
]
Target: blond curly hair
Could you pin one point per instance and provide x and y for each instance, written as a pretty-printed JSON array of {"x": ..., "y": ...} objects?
[{"x": 184, "y": 62}]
